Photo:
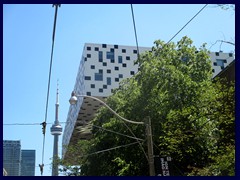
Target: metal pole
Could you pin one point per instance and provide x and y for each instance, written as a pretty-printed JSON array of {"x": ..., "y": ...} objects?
[{"x": 150, "y": 147}]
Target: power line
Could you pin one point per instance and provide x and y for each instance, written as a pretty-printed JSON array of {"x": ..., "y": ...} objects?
[
  {"x": 135, "y": 31},
  {"x": 187, "y": 23},
  {"x": 49, "y": 78}
]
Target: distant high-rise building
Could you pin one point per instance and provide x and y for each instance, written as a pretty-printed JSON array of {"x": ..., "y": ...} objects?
[
  {"x": 28, "y": 163},
  {"x": 12, "y": 157},
  {"x": 101, "y": 68}
]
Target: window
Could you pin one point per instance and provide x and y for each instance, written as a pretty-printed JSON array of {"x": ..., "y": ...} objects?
[
  {"x": 100, "y": 71},
  {"x": 213, "y": 70},
  {"x": 230, "y": 54},
  {"x": 109, "y": 81},
  {"x": 124, "y": 65},
  {"x": 85, "y": 59},
  {"x": 89, "y": 93},
  {"x": 112, "y": 61},
  {"x": 217, "y": 53},
  {"x": 128, "y": 58},
  {"x": 92, "y": 67},
  {"x": 120, "y": 76},
  {"x": 116, "y": 46},
  {"x": 88, "y": 55},
  {"x": 104, "y": 45},
  {"x": 104, "y": 64},
  {"x": 96, "y": 49},
  {"x": 116, "y": 68},
  {"x": 108, "y": 70},
  {"x": 98, "y": 76},
  {"x": 89, "y": 48},
  {"x": 92, "y": 85},
  {"x": 87, "y": 77},
  {"x": 117, "y": 79},
  {"x": 110, "y": 55},
  {"x": 100, "y": 56},
  {"x": 119, "y": 59},
  {"x": 132, "y": 72},
  {"x": 123, "y": 50},
  {"x": 111, "y": 50},
  {"x": 100, "y": 90},
  {"x": 215, "y": 64},
  {"x": 220, "y": 62},
  {"x": 134, "y": 51},
  {"x": 104, "y": 86}
]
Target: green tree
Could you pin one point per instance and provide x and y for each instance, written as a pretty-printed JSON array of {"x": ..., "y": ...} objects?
[{"x": 174, "y": 88}]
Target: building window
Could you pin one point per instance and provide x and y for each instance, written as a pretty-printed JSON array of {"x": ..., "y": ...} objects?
[
  {"x": 100, "y": 71},
  {"x": 92, "y": 67},
  {"x": 128, "y": 58},
  {"x": 92, "y": 85},
  {"x": 104, "y": 45},
  {"x": 132, "y": 72},
  {"x": 110, "y": 55},
  {"x": 220, "y": 62},
  {"x": 116, "y": 68},
  {"x": 108, "y": 70},
  {"x": 117, "y": 79},
  {"x": 104, "y": 86},
  {"x": 85, "y": 59},
  {"x": 119, "y": 59},
  {"x": 230, "y": 54},
  {"x": 134, "y": 51},
  {"x": 87, "y": 78},
  {"x": 100, "y": 56},
  {"x": 109, "y": 81},
  {"x": 100, "y": 90},
  {"x": 124, "y": 65},
  {"x": 88, "y": 55},
  {"x": 104, "y": 64},
  {"x": 89, "y": 93},
  {"x": 213, "y": 70},
  {"x": 112, "y": 61},
  {"x": 89, "y": 48},
  {"x": 120, "y": 76},
  {"x": 123, "y": 50},
  {"x": 111, "y": 50},
  {"x": 217, "y": 53},
  {"x": 116, "y": 46},
  {"x": 96, "y": 49},
  {"x": 98, "y": 76}
]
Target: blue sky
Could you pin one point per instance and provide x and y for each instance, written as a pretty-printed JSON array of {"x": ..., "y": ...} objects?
[{"x": 27, "y": 40}]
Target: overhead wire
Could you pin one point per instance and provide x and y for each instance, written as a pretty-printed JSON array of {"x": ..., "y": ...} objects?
[{"x": 49, "y": 80}]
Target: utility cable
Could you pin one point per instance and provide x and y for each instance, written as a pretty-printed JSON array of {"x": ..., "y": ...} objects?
[
  {"x": 187, "y": 23},
  {"x": 49, "y": 82},
  {"x": 135, "y": 31}
]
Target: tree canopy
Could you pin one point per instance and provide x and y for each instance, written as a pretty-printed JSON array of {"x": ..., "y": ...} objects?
[{"x": 192, "y": 117}]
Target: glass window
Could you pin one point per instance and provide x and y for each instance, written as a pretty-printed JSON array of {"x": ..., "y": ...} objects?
[
  {"x": 213, "y": 70},
  {"x": 92, "y": 85},
  {"x": 217, "y": 53},
  {"x": 87, "y": 77},
  {"x": 89, "y": 48},
  {"x": 85, "y": 59},
  {"x": 134, "y": 51},
  {"x": 124, "y": 65},
  {"x": 112, "y": 61},
  {"x": 128, "y": 58},
  {"x": 98, "y": 76},
  {"x": 92, "y": 67},
  {"x": 110, "y": 55},
  {"x": 96, "y": 49},
  {"x": 104, "y": 64},
  {"x": 116, "y": 46},
  {"x": 119, "y": 59},
  {"x": 230, "y": 54},
  {"x": 220, "y": 62},
  {"x": 117, "y": 79},
  {"x": 108, "y": 70},
  {"x": 100, "y": 71},
  {"x": 123, "y": 50},
  {"x": 104, "y": 86},
  {"x": 132, "y": 72},
  {"x": 88, "y": 55},
  {"x": 89, "y": 93},
  {"x": 120, "y": 76},
  {"x": 109, "y": 81},
  {"x": 100, "y": 90},
  {"x": 100, "y": 56},
  {"x": 116, "y": 68},
  {"x": 104, "y": 45}
]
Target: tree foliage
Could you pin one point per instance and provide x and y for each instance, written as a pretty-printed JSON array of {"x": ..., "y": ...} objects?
[{"x": 192, "y": 117}]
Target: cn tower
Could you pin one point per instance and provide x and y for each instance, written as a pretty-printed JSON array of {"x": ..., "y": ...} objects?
[{"x": 56, "y": 130}]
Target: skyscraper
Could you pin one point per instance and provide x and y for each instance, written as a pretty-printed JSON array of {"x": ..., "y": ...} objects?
[
  {"x": 28, "y": 163},
  {"x": 101, "y": 69},
  {"x": 12, "y": 157}
]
